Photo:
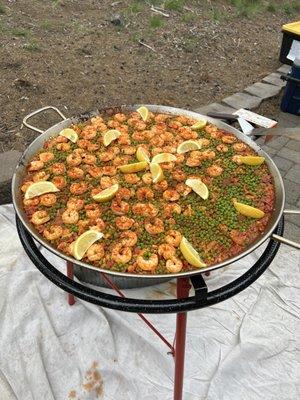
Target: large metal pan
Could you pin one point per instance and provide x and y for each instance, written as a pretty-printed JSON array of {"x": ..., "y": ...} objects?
[{"x": 135, "y": 280}]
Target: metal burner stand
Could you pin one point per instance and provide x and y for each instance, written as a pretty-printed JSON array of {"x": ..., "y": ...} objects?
[{"x": 181, "y": 305}]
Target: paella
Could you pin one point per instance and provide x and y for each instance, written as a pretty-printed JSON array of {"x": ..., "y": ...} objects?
[{"x": 148, "y": 193}]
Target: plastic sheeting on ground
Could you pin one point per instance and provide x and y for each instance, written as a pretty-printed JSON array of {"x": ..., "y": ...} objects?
[{"x": 246, "y": 348}]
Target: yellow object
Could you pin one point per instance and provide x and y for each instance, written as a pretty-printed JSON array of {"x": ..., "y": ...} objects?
[
  {"x": 156, "y": 172},
  {"x": 39, "y": 188},
  {"x": 163, "y": 157},
  {"x": 135, "y": 167},
  {"x": 110, "y": 136},
  {"x": 198, "y": 187},
  {"x": 144, "y": 112},
  {"x": 69, "y": 134},
  {"x": 189, "y": 145},
  {"x": 199, "y": 125},
  {"x": 141, "y": 155},
  {"x": 106, "y": 194},
  {"x": 252, "y": 160},
  {"x": 190, "y": 254},
  {"x": 84, "y": 241},
  {"x": 248, "y": 211},
  {"x": 293, "y": 27}
]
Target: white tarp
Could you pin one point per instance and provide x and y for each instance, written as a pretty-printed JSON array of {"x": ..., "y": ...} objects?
[{"x": 246, "y": 348}]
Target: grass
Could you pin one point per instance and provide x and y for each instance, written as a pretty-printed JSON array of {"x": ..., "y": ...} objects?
[
  {"x": 156, "y": 21},
  {"x": 31, "y": 46},
  {"x": 247, "y": 8},
  {"x": 291, "y": 7},
  {"x": 20, "y": 32},
  {"x": 216, "y": 14},
  {"x": 174, "y": 5},
  {"x": 2, "y": 9},
  {"x": 188, "y": 17}
]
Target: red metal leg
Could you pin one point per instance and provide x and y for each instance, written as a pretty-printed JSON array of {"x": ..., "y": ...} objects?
[
  {"x": 70, "y": 274},
  {"x": 183, "y": 287}
]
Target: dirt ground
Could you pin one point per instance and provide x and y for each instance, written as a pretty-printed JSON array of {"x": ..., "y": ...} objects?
[{"x": 79, "y": 56}]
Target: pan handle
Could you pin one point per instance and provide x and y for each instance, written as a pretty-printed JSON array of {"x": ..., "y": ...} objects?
[
  {"x": 25, "y": 119},
  {"x": 284, "y": 240}
]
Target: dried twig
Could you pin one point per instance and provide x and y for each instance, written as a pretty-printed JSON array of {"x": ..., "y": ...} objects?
[
  {"x": 158, "y": 11},
  {"x": 146, "y": 45}
]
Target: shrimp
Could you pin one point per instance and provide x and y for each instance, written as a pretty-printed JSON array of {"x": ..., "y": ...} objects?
[
  {"x": 140, "y": 125},
  {"x": 124, "y": 223},
  {"x": 107, "y": 181},
  {"x": 171, "y": 195},
  {"x": 95, "y": 252},
  {"x": 239, "y": 146},
  {"x": 40, "y": 176},
  {"x": 63, "y": 146},
  {"x": 109, "y": 170},
  {"x": 40, "y": 217},
  {"x": 179, "y": 175},
  {"x": 157, "y": 141},
  {"x": 89, "y": 132},
  {"x": 174, "y": 265},
  {"x": 193, "y": 161},
  {"x": 173, "y": 238},
  {"x": 124, "y": 193},
  {"x": 75, "y": 204},
  {"x": 106, "y": 156},
  {"x": 237, "y": 159},
  {"x": 204, "y": 142},
  {"x": 93, "y": 211},
  {"x": 156, "y": 150},
  {"x": 95, "y": 172},
  {"x": 129, "y": 238},
  {"x": 92, "y": 147},
  {"x": 147, "y": 210},
  {"x": 132, "y": 178},
  {"x": 121, "y": 254},
  {"x": 78, "y": 188},
  {"x": 31, "y": 202},
  {"x": 208, "y": 155},
  {"x": 187, "y": 133},
  {"x": 100, "y": 225},
  {"x": 26, "y": 185},
  {"x": 120, "y": 160},
  {"x": 120, "y": 207},
  {"x": 179, "y": 158},
  {"x": 113, "y": 124},
  {"x": 169, "y": 137},
  {"x": 36, "y": 165},
  {"x": 144, "y": 193},
  {"x": 229, "y": 139},
  {"x": 166, "y": 250},
  {"x": 138, "y": 136},
  {"x": 214, "y": 170},
  {"x": 47, "y": 156},
  {"x": 147, "y": 178},
  {"x": 59, "y": 181},
  {"x": 61, "y": 139},
  {"x": 128, "y": 150},
  {"x": 222, "y": 148},
  {"x": 70, "y": 216},
  {"x": 163, "y": 185},
  {"x": 167, "y": 165},
  {"x": 172, "y": 208},
  {"x": 147, "y": 261},
  {"x": 82, "y": 144},
  {"x": 96, "y": 120},
  {"x": 75, "y": 173},
  {"x": 120, "y": 117},
  {"x": 154, "y": 227},
  {"x": 54, "y": 232},
  {"x": 124, "y": 139},
  {"x": 58, "y": 168},
  {"x": 89, "y": 159},
  {"x": 74, "y": 159},
  {"x": 48, "y": 199},
  {"x": 213, "y": 131},
  {"x": 161, "y": 117}
]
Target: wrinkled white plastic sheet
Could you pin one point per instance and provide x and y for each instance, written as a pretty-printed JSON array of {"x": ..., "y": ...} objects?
[{"x": 246, "y": 348}]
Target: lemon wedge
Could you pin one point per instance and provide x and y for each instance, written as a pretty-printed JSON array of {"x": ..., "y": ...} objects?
[
  {"x": 142, "y": 155},
  {"x": 189, "y": 145},
  {"x": 252, "y": 160},
  {"x": 156, "y": 172},
  {"x": 163, "y": 157},
  {"x": 198, "y": 187},
  {"x": 135, "y": 167},
  {"x": 39, "y": 188},
  {"x": 110, "y": 136},
  {"x": 190, "y": 254},
  {"x": 69, "y": 134},
  {"x": 248, "y": 211},
  {"x": 199, "y": 125},
  {"x": 84, "y": 241},
  {"x": 144, "y": 112},
  {"x": 106, "y": 194}
]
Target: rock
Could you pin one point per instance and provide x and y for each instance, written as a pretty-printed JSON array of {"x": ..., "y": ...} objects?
[
  {"x": 263, "y": 90},
  {"x": 274, "y": 79},
  {"x": 242, "y": 100},
  {"x": 117, "y": 20}
]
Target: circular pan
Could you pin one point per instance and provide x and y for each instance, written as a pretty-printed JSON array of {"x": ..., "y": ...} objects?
[{"x": 148, "y": 306}]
